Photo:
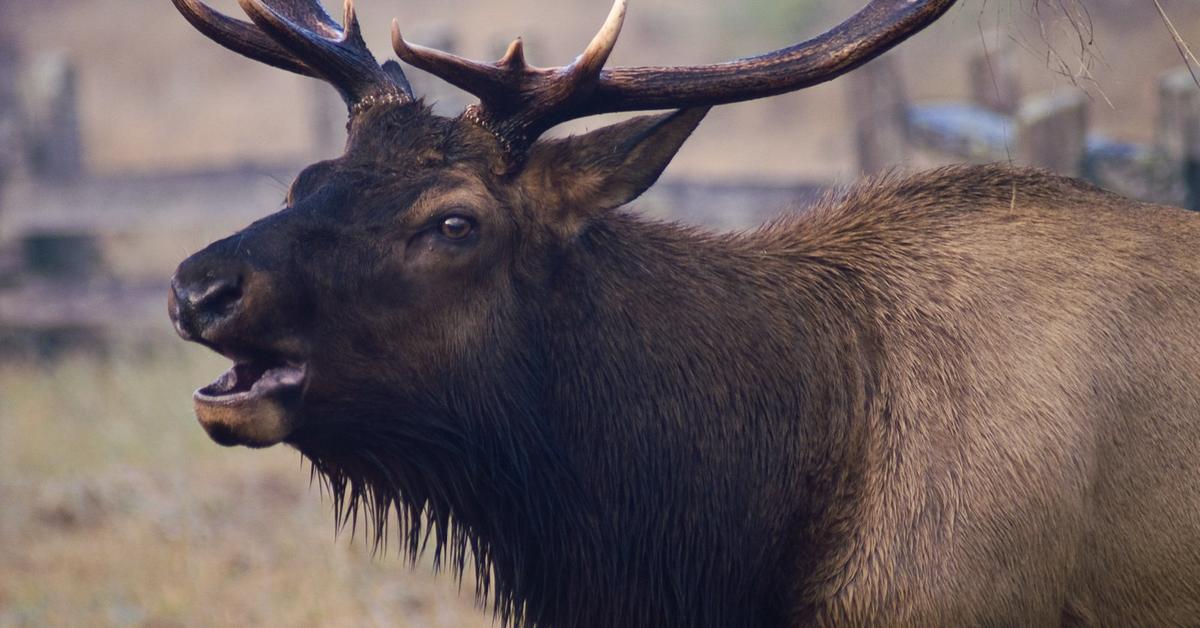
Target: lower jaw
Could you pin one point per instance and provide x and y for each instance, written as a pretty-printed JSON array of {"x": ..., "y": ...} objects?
[
  {"x": 262, "y": 415},
  {"x": 265, "y": 423}
]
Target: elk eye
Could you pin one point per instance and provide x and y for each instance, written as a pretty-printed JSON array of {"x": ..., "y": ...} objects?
[{"x": 456, "y": 227}]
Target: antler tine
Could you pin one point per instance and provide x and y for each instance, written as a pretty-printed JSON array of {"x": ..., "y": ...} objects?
[
  {"x": 596, "y": 54},
  {"x": 492, "y": 81},
  {"x": 240, "y": 37},
  {"x": 471, "y": 76},
  {"x": 867, "y": 34},
  {"x": 303, "y": 14},
  {"x": 517, "y": 103},
  {"x": 514, "y": 57},
  {"x": 336, "y": 53},
  {"x": 350, "y": 26}
]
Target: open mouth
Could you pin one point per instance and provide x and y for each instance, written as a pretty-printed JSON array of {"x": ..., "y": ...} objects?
[
  {"x": 247, "y": 380},
  {"x": 254, "y": 403}
]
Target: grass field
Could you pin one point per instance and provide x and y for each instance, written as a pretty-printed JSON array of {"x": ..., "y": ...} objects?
[{"x": 116, "y": 510}]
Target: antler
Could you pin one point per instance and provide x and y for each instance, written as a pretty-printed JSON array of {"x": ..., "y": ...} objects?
[
  {"x": 299, "y": 36},
  {"x": 518, "y": 102}
]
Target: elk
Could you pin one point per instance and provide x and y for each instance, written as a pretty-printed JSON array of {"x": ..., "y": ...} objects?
[{"x": 967, "y": 397}]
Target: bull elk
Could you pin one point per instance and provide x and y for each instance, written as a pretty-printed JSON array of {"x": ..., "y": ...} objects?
[{"x": 968, "y": 397}]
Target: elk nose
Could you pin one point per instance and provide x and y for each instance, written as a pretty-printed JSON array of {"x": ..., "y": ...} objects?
[{"x": 201, "y": 305}]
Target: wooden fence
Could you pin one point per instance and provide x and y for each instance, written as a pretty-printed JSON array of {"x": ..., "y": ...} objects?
[{"x": 1050, "y": 131}]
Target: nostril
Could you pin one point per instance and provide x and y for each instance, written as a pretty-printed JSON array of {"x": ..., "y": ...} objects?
[
  {"x": 219, "y": 296},
  {"x": 207, "y": 295},
  {"x": 200, "y": 307}
]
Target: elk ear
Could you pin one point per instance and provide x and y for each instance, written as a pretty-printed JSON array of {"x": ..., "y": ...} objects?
[{"x": 582, "y": 175}]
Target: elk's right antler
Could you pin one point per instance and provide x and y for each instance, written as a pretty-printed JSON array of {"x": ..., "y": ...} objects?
[
  {"x": 518, "y": 102},
  {"x": 299, "y": 36}
]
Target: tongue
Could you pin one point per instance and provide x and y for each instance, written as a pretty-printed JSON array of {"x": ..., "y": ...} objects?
[
  {"x": 246, "y": 374},
  {"x": 253, "y": 378}
]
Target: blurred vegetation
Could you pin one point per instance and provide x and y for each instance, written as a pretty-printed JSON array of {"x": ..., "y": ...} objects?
[
  {"x": 780, "y": 19},
  {"x": 755, "y": 26},
  {"x": 116, "y": 510},
  {"x": 86, "y": 411}
]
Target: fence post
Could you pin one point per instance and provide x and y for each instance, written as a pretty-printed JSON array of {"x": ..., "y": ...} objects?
[
  {"x": 11, "y": 145},
  {"x": 1178, "y": 130},
  {"x": 880, "y": 106},
  {"x": 52, "y": 114},
  {"x": 327, "y": 116},
  {"x": 1052, "y": 132},
  {"x": 993, "y": 79},
  {"x": 70, "y": 257}
]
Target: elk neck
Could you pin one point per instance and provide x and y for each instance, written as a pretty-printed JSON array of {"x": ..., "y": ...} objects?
[{"x": 680, "y": 377}]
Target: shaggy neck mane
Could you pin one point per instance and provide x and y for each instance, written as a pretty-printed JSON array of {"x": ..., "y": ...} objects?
[{"x": 638, "y": 448}]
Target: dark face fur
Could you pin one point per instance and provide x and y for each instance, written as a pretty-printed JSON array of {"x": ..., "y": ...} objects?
[{"x": 383, "y": 264}]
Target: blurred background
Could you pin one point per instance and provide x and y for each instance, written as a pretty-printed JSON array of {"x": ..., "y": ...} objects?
[{"x": 127, "y": 141}]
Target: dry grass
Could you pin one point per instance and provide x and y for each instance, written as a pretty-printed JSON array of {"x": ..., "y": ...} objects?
[{"x": 118, "y": 511}]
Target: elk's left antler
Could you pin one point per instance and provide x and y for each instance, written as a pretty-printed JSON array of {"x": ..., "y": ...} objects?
[{"x": 518, "y": 102}]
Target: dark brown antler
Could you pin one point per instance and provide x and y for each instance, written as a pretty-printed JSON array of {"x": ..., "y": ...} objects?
[
  {"x": 299, "y": 36},
  {"x": 518, "y": 102}
]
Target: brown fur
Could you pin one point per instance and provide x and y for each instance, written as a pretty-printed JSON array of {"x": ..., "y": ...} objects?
[
  {"x": 963, "y": 398},
  {"x": 1028, "y": 452}
]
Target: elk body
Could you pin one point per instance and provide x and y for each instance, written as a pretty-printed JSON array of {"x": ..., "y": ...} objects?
[{"x": 963, "y": 398}]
